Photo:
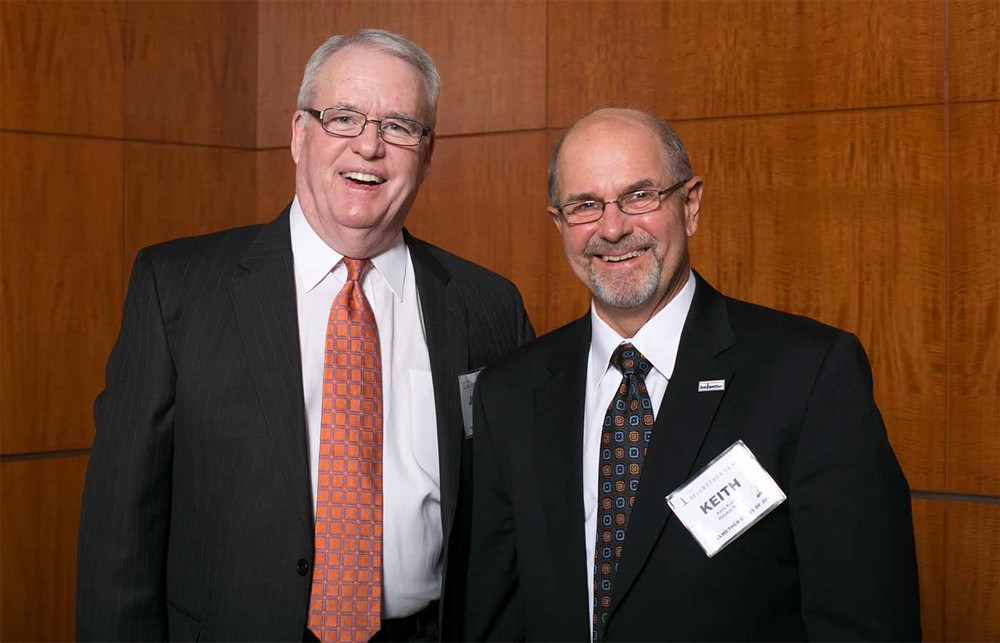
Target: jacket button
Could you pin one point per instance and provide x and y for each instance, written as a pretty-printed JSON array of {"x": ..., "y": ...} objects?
[{"x": 302, "y": 567}]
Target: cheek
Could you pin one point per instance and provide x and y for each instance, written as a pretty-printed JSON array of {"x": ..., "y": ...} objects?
[
  {"x": 416, "y": 171},
  {"x": 574, "y": 242},
  {"x": 325, "y": 151},
  {"x": 669, "y": 233},
  {"x": 307, "y": 160}
]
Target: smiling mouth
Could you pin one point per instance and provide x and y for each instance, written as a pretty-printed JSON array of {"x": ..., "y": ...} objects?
[
  {"x": 363, "y": 178},
  {"x": 623, "y": 257}
]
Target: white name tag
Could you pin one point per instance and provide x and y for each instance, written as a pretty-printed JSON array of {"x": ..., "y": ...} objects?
[
  {"x": 725, "y": 498},
  {"x": 711, "y": 385},
  {"x": 466, "y": 386}
]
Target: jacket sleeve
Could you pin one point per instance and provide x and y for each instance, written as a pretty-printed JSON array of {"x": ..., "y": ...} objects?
[
  {"x": 125, "y": 517},
  {"x": 850, "y": 509},
  {"x": 493, "y": 602}
]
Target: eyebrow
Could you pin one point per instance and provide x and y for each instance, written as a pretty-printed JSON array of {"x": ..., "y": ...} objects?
[
  {"x": 355, "y": 108},
  {"x": 407, "y": 116},
  {"x": 590, "y": 196}
]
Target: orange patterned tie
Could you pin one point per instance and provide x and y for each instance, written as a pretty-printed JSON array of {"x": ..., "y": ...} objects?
[{"x": 346, "y": 602}]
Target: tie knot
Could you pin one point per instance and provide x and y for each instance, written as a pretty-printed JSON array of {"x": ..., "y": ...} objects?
[
  {"x": 356, "y": 268},
  {"x": 630, "y": 361}
]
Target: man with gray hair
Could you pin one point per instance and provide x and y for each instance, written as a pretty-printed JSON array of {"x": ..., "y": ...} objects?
[
  {"x": 677, "y": 464},
  {"x": 281, "y": 449}
]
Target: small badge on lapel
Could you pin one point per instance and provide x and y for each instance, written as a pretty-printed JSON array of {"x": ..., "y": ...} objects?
[{"x": 711, "y": 385}]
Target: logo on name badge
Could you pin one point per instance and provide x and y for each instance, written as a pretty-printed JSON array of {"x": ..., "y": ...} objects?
[{"x": 711, "y": 385}]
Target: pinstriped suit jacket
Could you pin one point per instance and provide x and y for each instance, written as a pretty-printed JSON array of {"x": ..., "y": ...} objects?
[{"x": 197, "y": 516}]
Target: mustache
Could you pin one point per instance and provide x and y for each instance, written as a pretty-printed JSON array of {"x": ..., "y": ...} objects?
[{"x": 637, "y": 240}]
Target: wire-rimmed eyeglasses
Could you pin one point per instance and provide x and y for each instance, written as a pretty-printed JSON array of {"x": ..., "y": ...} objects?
[
  {"x": 349, "y": 124},
  {"x": 638, "y": 202}
]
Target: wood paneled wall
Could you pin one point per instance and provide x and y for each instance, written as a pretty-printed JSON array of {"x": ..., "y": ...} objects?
[{"x": 850, "y": 150}]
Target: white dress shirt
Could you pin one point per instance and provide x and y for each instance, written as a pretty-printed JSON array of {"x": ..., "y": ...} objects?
[
  {"x": 658, "y": 341},
  {"x": 411, "y": 480}
]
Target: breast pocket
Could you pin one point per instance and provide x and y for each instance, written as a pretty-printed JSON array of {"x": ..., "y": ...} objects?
[{"x": 423, "y": 423}]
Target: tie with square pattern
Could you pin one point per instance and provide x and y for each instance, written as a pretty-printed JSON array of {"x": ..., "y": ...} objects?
[
  {"x": 627, "y": 428},
  {"x": 347, "y": 573}
]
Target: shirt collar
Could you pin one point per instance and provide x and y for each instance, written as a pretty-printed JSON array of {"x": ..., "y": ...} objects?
[
  {"x": 658, "y": 339},
  {"x": 314, "y": 260}
]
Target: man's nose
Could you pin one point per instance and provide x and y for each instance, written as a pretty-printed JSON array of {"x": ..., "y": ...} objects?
[
  {"x": 369, "y": 143},
  {"x": 615, "y": 224}
]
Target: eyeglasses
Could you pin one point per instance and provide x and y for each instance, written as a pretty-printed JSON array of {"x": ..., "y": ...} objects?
[
  {"x": 349, "y": 124},
  {"x": 638, "y": 202}
]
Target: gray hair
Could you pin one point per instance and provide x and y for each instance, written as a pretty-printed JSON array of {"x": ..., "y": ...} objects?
[
  {"x": 675, "y": 157},
  {"x": 386, "y": 42}
]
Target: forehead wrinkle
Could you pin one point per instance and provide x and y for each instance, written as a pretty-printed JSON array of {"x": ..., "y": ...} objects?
[{"x": 343, "y": 75}]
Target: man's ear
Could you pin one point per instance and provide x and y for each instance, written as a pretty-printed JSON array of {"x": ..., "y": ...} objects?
[
  {"x": 298, "y": 132},
  {"x": 556, "y": 219},
  {"x": 692, "y": 205},
  {"x": 431, "y": 140}
]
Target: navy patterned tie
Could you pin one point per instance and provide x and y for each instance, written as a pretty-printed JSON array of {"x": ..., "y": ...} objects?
[{"x": 624, "y": 438}]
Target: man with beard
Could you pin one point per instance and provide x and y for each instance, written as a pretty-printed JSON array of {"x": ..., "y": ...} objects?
[{"x": 677, "y": 464}]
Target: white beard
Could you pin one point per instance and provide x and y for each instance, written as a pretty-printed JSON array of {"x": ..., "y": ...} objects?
[{"x": 627, "y": 291}]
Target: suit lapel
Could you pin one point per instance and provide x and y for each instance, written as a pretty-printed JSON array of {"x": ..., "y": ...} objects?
[
  {"x": 558, "y": 436},
  {"x": 683, "y": 421},
  {"x": 263, "y": 295},
  {"x": 447, "y": 328}
]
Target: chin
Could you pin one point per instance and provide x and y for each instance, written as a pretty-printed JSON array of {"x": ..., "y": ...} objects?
[
  {"x": 359, "y": 218},
  {"x": 624, "y": 291},
  {"x": 622, "y": 296}
]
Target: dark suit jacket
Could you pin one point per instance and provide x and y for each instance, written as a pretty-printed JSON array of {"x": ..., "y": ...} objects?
[
  {"x": 197, "y": 514},
  {"x": 835, "y": 561}
]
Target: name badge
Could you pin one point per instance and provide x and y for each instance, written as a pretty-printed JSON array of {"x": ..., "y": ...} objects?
[
  {"x": 466, "y": 386},
  {"x": 725, "y": 498}
]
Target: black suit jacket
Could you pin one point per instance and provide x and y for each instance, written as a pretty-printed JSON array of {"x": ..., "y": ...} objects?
[
  {"x": 197, "y": 517},
  {"x": 835, "y": 561}
]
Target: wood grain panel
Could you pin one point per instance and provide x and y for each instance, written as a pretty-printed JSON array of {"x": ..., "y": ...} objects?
[
  {"x": 838, "y": 216},
  {"x": 972, "y": 572},
  {"x": 41, "y": 512},
  {"x": 61, "y": 65},
  {"x": 275, "y": 182},
  {"x": 973, "y": 50},
  {"x": 697, "y": 59},
  {"x": 485, "y": 200},
  {"x": 974, "y": 301},
  {"x": 191, "y": 72},
  {"x": 61, "y": 285},
  {"x": 490, "y": 53},
  {"x": 568, "y": 298},
  {"x": 928, "y": 529},
  {"x": 179, "y": 190}
]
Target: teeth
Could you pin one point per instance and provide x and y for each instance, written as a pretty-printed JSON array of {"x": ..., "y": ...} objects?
[
  {"x": 364, "y": 178},
  {"x": 628, "y": 255}
]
